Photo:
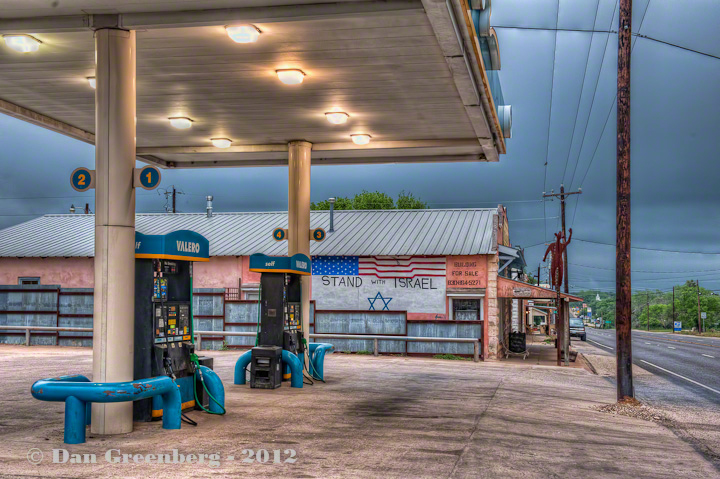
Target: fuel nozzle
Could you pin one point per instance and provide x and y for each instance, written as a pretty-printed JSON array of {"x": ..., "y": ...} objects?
[{"x": 167, "y": 362}]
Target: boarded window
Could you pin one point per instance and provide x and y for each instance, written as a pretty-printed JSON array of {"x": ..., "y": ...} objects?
[{"x": 466, "y": 309}]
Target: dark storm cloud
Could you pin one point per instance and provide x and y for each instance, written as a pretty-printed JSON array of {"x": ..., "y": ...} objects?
[{"x": 675, "y": 143}]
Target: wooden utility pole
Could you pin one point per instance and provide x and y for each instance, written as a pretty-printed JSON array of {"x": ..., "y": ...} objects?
[
  {"x": 647, "y": 297},
  {"x": 173, "y": 210},
  {"x": 538, "y": 276},
  {"x": 562, "y": 196},
  {"x": 673, "y": 316},
  {"x": 698, "y": 295},
  {"x": 563, "y": 321},
  {"x": 623, "y": 285}
]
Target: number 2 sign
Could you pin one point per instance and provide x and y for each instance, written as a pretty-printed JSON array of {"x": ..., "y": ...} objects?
[{"x": 82, "y": 179}]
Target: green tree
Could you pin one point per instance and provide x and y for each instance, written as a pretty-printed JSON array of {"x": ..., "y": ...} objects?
[
  {"x": 372, "y": 200},
  {"x": 406, "y": 201}
]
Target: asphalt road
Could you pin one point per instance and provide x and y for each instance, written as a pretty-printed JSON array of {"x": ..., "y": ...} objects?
[{"x": 689, "y": 362}]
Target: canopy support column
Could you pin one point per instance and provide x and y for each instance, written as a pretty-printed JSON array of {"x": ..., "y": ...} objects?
[
  {"x": 114, "y": 309},
  {"x": 299, "y": 155}
]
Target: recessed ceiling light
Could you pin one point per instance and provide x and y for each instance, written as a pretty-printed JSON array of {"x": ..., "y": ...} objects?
[
  {"x": 180, "y": 122},
  {"x": 22, "y": 43},
  {"x": 243, "y": 33},
  {"x": 337, "y": 117},
  {"x": 91, "y": 81},
  {"x": 360, "y": 139},
  {"x": 291, "y": 76},
  {"x": 221, "y": 142}
]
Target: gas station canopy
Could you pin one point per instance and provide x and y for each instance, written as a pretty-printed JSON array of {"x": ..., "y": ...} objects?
[{"x": 408, "y": 73}]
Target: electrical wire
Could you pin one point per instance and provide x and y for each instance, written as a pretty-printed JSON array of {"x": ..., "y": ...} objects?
[
  {"x": 602, "y": 133},
  {"x": 582, "y": 90},
  {"x": 592, "y": 105},
  {"x": 646, "y": 271},
  {"x": 648, "y": 249},
  {"x": 547, "y": 144}
]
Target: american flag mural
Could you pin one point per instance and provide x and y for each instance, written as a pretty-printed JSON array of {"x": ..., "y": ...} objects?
[
  {"x": 379, "y": 266},
  {"x": 380, "y": 283}
]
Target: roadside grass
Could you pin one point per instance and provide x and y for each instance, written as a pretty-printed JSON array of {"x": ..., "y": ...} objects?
[
  {"x": 451, "y": 357},
  {"x": 711, "y": 334},
  {"x": 364, "y": 352}
]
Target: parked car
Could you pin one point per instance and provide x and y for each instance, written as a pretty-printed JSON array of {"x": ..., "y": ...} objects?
[{"x": 577, "y": 328}]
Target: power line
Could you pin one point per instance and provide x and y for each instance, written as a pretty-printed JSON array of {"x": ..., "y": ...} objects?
[
  {"x": 592, "y": 105},
  {"x": 648, "y": 249},
  {"x": 645, "y": 271},
  {"x": 535, "y": 219},
  {"x": 642, "y": 20},
  {"x": 676, "y": 45},
  {"x": 581, "y": 30},
  {"x": 582, "y": 90},
  {"x": 552, "y": 89}
]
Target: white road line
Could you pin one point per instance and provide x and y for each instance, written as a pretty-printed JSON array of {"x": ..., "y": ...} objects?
[
  {"x": 647, "y": 343},
  {"x": 681, "y": 377},
  {"x": 670, "y": 347},
  {"x": 591, "y": 341},
  {"x": 708, "y": 356}
]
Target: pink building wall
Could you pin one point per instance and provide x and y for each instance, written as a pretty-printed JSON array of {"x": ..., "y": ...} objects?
[
  {"x": 219, "y": 272},
  {"x": 67, "y": 272}
]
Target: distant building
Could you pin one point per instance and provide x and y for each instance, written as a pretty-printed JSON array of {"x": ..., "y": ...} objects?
[{"x": 444, "y": 272}]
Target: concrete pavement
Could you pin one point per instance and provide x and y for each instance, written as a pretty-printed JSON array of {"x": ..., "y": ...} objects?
[
  {"x": 689, "y": 410},
  {"x": 375, "y": 417}
]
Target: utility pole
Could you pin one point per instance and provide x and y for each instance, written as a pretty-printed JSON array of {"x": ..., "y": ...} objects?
[
  {"x": 673, "y": 316},
  {"x": 698, "y": 295},
  {"x": 564, "y": 321},
  {"x": 623, "y": 275},
  {"x": 173, "y": 203},
  {"x": 538, "y": 276},
  {"x": 562, "y": 196},
  {"x": 647, "y": 297}
]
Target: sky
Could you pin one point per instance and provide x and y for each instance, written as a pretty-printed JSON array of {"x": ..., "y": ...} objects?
[{"x": 562, "y": 86}]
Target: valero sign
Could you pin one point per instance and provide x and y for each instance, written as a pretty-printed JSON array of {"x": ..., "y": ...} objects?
[{"x": 184, "y": 245}]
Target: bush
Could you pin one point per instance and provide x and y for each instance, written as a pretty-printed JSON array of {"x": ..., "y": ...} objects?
[{"x": 450, "y": 357}]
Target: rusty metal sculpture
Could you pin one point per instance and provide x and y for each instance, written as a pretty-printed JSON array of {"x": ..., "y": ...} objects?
[{"x": 557, "y": 249}]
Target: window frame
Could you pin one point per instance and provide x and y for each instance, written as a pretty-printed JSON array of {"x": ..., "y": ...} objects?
[{"x": 480, "y": 298}]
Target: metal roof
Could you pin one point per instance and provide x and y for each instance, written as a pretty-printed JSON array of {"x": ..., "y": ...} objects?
[{"x": 357, "y": 233}]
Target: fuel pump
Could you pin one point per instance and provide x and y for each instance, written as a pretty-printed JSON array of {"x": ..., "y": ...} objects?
[
  {"x": 164, "y": 339},
  {"x": 280, "y": 322}
]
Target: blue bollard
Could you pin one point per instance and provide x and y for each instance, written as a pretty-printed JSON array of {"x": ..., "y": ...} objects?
[
  {"x": 240, "y": 366},
  {"x": 296, "y": 368},
  {"x": 215, "y": 386},
  {"x": 317, "y": 358},
  {"x": 77, "y": 394}
]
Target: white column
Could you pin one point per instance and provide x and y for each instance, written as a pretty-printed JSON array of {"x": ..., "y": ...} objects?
[
  {"x": 299, "y": 153},
  {"x": 114, "y": 312}
]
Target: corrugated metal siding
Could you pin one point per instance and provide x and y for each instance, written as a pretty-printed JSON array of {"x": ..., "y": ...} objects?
[{"x": 357, "y": 233}]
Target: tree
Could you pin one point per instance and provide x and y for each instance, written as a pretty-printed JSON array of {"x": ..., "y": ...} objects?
[
  {"x": 531, "y": 279},
  {"x": 372, "y": 200},
  {"x": 406, "y": 201}
]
